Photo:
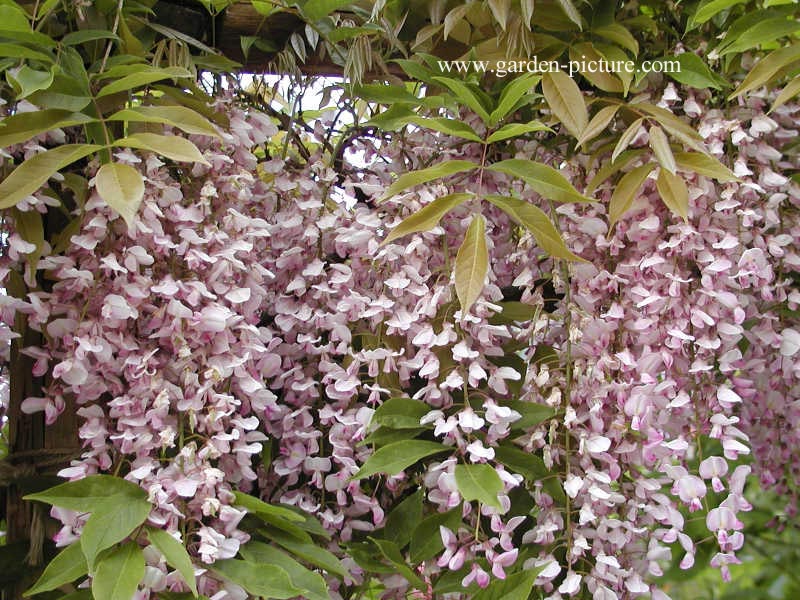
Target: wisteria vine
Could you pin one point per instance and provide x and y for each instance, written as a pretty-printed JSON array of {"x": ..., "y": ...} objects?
[{"x": 242, "y": 334}]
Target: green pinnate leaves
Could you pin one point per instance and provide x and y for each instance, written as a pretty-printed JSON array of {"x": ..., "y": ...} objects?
[
  {"x": 472, "y": 264},
  {"x": 181, "y": 117},
  {"x": 175, "y": 554},
  {"x": 565, "y": 99},
  {"x": 34, "y": 172},
  {"x": 660, "y": 146},
  {"x": 428, "y": 216},
  {"x": 625, "y": 192},
  {"x": 437, "y": 171},
  {"x": 117, "y": 509},
  {"x": 111, "y": 522},
  {"x": 118, "y": 574},
  {"x": 171, "y": 146},
  {"x": 84, "y": 494},
  {"x": 544, "y": 180},
  {"x": 270, "y": 581},
  {"x": 674, "y": 193},
  {"x": 479, "y": 482},
  {"x": 400, "y": 413},
  {"x": 395, "y": 457},
  {"x": 537, "y": 222},
  {"x": 66, "y": 567},
  {"x": 122, "y": 188}
]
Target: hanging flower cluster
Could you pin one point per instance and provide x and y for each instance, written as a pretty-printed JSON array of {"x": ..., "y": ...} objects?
[{"x": 246, "y": 331}]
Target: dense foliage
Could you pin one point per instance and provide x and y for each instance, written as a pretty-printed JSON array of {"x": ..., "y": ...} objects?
[{"x": 461, "y": 336}]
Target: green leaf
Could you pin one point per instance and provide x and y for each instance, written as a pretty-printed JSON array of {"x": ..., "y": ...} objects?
[
  {"x": 530, "y": 466},
  {"x": 512, "y": 93},
  {"x": 391, "y": 552},
  {"x": 695, "y": 72},
  {"x": 181, "y": 117},
  {"x": 611, "y": 167},
  {"x": 296, "y": 529},
  {"x": 600, "y": 78},
  {"x": 20, "y": 51},
  {"x": 14, "y": 18},
  {"x": 397, "y": 528},
  {"x": 479, "y": 482},
  {"x": 400, "y": 413},
  {"x": 23, "y": 126},
  {"x": 500, "y": 10},
  {"x": 673, "y": 192},
  {"x": 537, "y": 222},
  {"x": 175, "y": 554},
  {"x": 767, "y": 68},
  {"x": 437, "y": 171},
  {"x": 787, "y": 93},
  {"x": 393, "y": 118},
  {"x": 384, "y": 436},
  {"x": 312, "y": 553},
  {"x": 145, "y": 76},
  {"x": 708, "y": 9},
  {"x": 545, "y": 180},
  {"x": 172, "y": 146},
  {"x": 513, "y": 130},
  {"x": 453, "y": 18},
  {"x": 532, "y": 413},
  {"x": 618, "y": 34},
  {"x": 122, "y": 188},
  {"x": 317, "y": 9},
  {"x": 118, "y": 574},
  {"x": 472, "y": 264},
  {"x": 309, "y": 523},
  {"x": 660, "y": 146},
  {"x": 625, "y": 192},
  {"x": 26, "y": 81},
  {"x": 259, "y": 507},
  {"x": 84, "y": 494},
  {"x": 514, "y": 587},
  {"x": 426, "y": 541},
  {"x": 626, "y": 138},
  {"x": 111, "y": 521},
  {"x": 706, "y": 165},
  {"x": 428, "y": 216},
  {"x": 761, "y": 33},
  {"x": 269, "y": 581},
  {"x": 598, "y": 124},
  {"x": 674, "y": 126},
  {"x": 25, "y": 36},
  {"x": 446, "y": 126},
  {"x": 393, "y": 458},
  {"x": 88, "y": 35},
  {"x": 415, "y": 70},
  {"x": 67, "y": 92},
  {"x": 66, "y": 567},
  {"x": 466, "y": 96},
  {"x": 572, "y": 13},
  {"x": 312, "y": 584},
  {"x": 514, "y": 312},
  {"x": 565, "y": 99}
]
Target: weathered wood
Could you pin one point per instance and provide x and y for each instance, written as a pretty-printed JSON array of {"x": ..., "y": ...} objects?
[
  {"x": 224, "y": 33},
  {"x": 36, "y": 452}
]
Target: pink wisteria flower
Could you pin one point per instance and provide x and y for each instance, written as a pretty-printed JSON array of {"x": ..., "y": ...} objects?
[{"x": 250, "y": 324}]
